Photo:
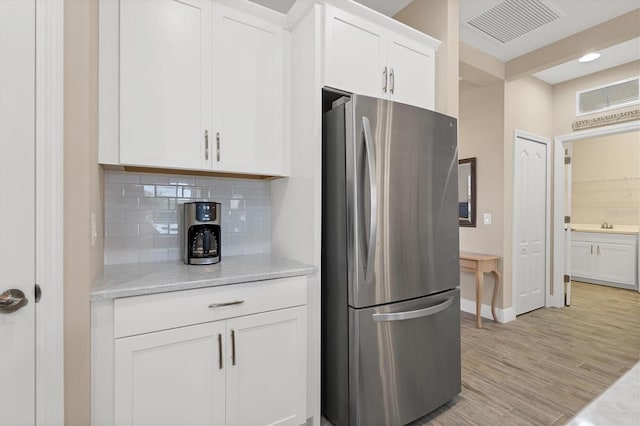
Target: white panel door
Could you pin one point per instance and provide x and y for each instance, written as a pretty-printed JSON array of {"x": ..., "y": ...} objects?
[
  {"x": 582, "y": 261},
  {"x": 616, "y": 263},
  {"x": 530, "y": 198},
  {"x": 165, "y": 82},
  {"x": 354, "y": 54},
  {"x": 411, "y": 73},
  {"x": 17, "y": 221},
  {"x": 266, "y": 368},
  {"x": 248, "y": 93},
  {"x": 173, "y": 377}
]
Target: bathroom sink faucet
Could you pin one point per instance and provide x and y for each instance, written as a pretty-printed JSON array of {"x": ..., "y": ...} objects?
[{"x": 606, "y": 225}]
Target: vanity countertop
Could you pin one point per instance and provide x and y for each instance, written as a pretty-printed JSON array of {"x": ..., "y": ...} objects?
[
  {"x": 136, "y": 279},
  {"x": 617, "y": 229}
]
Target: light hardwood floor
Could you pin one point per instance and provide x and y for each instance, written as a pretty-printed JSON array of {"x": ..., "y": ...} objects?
[{"x": 544, "y": 367}]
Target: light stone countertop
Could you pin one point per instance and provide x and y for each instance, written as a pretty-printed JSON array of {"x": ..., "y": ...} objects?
[
  {"x": 617, "y": 229},
  {"x": 136, "y": 279},
  {"x": 619, "y": 405}
]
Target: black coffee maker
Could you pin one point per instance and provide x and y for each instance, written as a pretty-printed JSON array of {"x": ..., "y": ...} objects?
[{"x": 201, "y": 225}]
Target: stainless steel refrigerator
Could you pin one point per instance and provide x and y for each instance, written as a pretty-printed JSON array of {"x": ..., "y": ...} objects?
[{"x": 390, "y": 262}]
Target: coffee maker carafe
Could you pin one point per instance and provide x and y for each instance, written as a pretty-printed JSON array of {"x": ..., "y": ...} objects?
[{"x": 201, "y": 237}]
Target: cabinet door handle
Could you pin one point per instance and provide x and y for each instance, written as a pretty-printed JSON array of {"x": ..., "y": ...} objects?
[
  {"x": 218, "y": 146},
  {"x": 233, "y": 347},
  {"x": 591, "y": 248},
  {"x": 392, "y": 81},
  {"x": 219, "y": 351},
  {"x": 221, "y": 304},
  {"x": 598, "y": 250},
  {"x": 384, "y": 80},
  {"x": 206, "y": 144}
]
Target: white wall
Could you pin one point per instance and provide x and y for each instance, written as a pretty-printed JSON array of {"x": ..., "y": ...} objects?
[{"x": 606, "y": 180}]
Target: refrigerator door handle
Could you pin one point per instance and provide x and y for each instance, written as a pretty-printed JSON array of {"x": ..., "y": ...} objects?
[
  {"x": 373, "y": 191},
  {"x": 418, "y": 313}
]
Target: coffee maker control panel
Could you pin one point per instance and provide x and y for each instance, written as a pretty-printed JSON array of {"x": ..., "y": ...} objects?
[{"x": 206, "y": 212}]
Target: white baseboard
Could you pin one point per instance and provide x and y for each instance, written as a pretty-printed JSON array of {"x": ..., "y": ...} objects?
[{"x": 504, "y": 315}]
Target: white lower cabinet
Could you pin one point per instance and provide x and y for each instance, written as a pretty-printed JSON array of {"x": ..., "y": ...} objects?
[
  {"x": 228, "y": 355},
  {"x": 605, "y": 258},
  {"x": 266, "y": 374},
  {"x": 171, "y": 377},
  {"x": 244, "y": 371}
]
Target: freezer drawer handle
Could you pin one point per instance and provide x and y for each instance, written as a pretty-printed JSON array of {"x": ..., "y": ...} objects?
[
  {"x": 373, "y": 191},
  {"x": 419, "y": 313}
]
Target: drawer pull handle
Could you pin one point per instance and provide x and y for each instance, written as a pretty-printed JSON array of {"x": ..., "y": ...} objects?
[
  {"x": 233, "y": 347},
  {"x": 220, "y": 351},
  {"x": 218, "y": 305}
]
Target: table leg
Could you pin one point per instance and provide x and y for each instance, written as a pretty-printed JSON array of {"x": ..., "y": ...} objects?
[
  {"x": 479, "y": 285},
  {"x": 496, "y": 289}
]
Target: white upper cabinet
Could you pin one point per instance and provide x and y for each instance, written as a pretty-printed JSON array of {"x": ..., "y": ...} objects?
[
  {"x": 364, "y": 57},
  {"x": 165, "y": 83},
  {"x": 411, "y": 72},
  {"x": 192, "y": 84},
  {"x": 354, "y": 54},
  {"x": 248, "y": 93}
]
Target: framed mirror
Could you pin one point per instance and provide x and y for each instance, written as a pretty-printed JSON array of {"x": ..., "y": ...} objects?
[{"x": 467, "y": 192}]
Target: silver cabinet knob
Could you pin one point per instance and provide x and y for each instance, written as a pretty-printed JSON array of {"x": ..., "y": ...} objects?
[{"x": 12, "y": 300}]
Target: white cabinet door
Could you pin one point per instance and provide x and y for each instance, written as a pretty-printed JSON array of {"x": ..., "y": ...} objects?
[
  {"x": 165, "y": 82},
  {"x": 411, "y": 72},
  {"x": 354, "y": 54},
  {"x": 173, "y": 377},
  {"x": 582, "y": 264},
  {"x": 616, "y": 263},
  {"x": 266, "y": 368},
  {"x": 248, "y": 93}
]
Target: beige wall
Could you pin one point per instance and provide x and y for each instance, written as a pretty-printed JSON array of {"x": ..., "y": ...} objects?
[
  {"x": 489, "y": 117},
  {"x": 439, "y": 19},
  {"x": 82, "y": 195},
  {"x": 564, "y": 94},
  {"x": 600, "y": 192},
  {"x": 528, "y": 107},
  {"x": 481, "y": 134}
]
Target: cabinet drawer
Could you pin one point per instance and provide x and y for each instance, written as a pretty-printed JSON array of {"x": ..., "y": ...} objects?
[
  {"x": 467, "y": 264},
  {"x": 144, "y": 314}
]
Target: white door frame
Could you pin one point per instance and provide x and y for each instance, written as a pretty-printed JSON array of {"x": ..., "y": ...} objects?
[
  {"x": 558, "y": 191},
  {"x": 547, "y": 248},
  {"x": 49, "y": 124}
]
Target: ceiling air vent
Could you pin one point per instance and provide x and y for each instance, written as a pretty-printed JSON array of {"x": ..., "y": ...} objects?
[
  {"x": 514, "y": 18},
  {"x": 615, "y": 95}
]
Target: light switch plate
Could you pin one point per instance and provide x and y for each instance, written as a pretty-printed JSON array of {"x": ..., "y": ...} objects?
[{"x": 487, "y": 218}]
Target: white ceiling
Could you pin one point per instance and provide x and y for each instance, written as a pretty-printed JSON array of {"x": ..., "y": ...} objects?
[
  {"x": 619, "y": 54},
  {"x": 578, "y": 16}
]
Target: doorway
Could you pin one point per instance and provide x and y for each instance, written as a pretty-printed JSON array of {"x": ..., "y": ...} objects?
[
  {"x": 531, "y": 214},
  {"x": 562, "y": 230}
]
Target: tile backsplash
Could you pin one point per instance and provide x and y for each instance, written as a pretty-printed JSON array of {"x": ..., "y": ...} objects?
[{"x": 141, "y": 214}]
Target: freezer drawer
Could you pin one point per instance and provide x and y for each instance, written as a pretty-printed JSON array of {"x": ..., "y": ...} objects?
[{"x": 404, "y": 360}]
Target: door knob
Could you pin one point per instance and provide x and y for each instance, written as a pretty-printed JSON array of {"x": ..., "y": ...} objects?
[{"x": 12, "y": 300}]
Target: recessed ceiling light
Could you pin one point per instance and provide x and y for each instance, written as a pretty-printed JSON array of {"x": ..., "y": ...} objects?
[{"x": 589, "y": 57}]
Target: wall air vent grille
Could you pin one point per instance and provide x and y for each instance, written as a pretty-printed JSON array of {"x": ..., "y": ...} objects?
[
  {"x": 513, "y": 18},
  {"x": 616, "y": 95}
]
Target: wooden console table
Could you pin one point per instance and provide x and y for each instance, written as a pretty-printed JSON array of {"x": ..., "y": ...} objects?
[{"x": 479, "y": 264}]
